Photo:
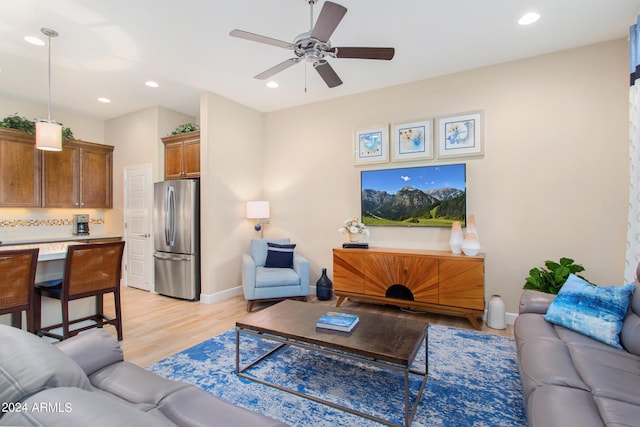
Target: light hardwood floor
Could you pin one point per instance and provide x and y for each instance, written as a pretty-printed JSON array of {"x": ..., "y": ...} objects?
[{"x": 155, "y": 326}]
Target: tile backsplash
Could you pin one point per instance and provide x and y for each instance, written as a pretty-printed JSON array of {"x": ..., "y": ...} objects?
[{"x": 16, "y": 224}]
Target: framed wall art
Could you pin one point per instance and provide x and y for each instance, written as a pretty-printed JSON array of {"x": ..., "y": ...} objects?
[
  {"x": 412, "y": 141},
  {"x": 461, "y": 135},
  {"x": 372, "y": 145}
]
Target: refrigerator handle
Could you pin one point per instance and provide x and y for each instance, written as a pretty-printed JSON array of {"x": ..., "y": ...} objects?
[{"x": 170, "y": 217}]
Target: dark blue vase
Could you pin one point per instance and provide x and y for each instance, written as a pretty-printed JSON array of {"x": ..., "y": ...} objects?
[{"x": 324, "y": 287}]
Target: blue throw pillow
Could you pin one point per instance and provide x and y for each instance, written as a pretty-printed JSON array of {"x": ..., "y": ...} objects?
[
  {"x": 279, "y": 256},
  {"x": 595, "y": 311}
]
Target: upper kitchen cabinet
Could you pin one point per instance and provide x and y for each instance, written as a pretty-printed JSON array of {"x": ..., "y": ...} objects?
[
  {"x": 182, "y": 155},
  {"x": 79, "y": 176},
  {"x": 19, "y": 169}
]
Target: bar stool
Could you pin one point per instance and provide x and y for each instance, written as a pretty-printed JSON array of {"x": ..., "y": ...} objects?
[
  {"x": 90, "y": 270},
  {"x": 17, "y": 276}
]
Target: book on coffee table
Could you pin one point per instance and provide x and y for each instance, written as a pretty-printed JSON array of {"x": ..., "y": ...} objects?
[{"x": 343, "y": 322}]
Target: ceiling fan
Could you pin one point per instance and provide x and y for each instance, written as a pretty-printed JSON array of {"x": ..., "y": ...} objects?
[{"x": 314, "y": 46}]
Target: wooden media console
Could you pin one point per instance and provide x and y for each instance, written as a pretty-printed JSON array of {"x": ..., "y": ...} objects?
[{"x": 435, "y": 281}]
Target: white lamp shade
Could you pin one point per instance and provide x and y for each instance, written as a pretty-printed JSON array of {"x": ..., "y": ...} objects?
[
  {"x": 257, "y": 210},
  {"x": 48, "y": 136}
]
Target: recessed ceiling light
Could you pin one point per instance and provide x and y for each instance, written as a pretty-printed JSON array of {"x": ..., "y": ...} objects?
[
  {"x": 529, "y": 18},
  {"x": 104, "y": 100},
  {"x": 272, "y": 84},
  {"x": 34, "y": 40},
  {"x": 151, "y": 83}
]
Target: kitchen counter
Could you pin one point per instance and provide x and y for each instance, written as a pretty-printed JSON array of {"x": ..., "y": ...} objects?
[
  {"x": 48, "y": 251},
  {"x": 59, "y": 239}
]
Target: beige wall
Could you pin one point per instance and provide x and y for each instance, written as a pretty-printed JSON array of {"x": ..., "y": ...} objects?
[
  {"x": 84, "y": 128},
  {"x": 553, "y": 181},
  {"x": 136, "y": 137},
  {"x": 231, "y": 153}
]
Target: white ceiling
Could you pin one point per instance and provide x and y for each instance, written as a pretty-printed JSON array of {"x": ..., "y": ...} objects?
[{"x": 109, "y": 48}]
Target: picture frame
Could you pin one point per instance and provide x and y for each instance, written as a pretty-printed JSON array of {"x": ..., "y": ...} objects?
[
  {"x": 461, "y": 135},
  {"x": 412, "y": 141},
  {"x": 372, "y": 145}
]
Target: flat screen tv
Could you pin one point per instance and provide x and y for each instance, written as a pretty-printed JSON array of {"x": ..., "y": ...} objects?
[{"x": 423, "y": 196}]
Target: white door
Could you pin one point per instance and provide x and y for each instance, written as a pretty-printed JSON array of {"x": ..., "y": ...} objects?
[{"x": 138, "y": 194}]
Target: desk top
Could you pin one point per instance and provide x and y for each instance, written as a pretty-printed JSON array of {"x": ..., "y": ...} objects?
[{"x": 48, "y": 251}]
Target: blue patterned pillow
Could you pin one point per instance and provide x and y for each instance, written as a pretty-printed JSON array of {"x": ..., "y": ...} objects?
[
  {"x": 279, "y": 256},
  {"x": 595, "y": 311}
]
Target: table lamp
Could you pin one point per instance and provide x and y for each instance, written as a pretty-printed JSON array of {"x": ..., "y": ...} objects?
[{"x": 258, "y": 210}]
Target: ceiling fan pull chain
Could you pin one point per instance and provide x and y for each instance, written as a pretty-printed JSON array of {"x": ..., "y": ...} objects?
[{"x": 305, "y": 76}]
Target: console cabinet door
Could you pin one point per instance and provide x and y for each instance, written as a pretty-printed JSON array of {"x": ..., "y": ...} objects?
[
  {"x": 417, "y": 274},
  {"x": 19, "y": 170},
  {"x": 462, "y": 283},
  {"x": 348, "y": 271}
]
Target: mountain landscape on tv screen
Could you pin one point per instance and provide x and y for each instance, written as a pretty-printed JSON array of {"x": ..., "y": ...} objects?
[{"x": 413, "y": 207}]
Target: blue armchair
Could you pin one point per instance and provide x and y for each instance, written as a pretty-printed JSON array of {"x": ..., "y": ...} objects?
[{"x": 264, "y": 283}]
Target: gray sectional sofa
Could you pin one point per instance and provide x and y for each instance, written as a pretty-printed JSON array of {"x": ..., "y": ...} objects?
[
  {"x": 83, "y": 381},
  {"x": 570, "y": 379}
]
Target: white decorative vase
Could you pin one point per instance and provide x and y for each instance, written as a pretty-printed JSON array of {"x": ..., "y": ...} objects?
[
  {"x": 456, "y": 239},
  {"x": 470, "y": 245},
  {"x": 495, "y": 313},
  {"x": 471, "y": 226}
]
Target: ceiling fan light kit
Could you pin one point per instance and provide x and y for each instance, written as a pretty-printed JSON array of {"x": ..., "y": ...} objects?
[{"x": 314, "y": 46}]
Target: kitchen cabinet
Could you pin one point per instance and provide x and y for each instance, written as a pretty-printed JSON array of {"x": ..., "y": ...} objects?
[
  {"x": 79, "y": 176},
  {"x": 435, "y": 281},
  {"x": 19, "y": 169},
  {"x": 182, "y": 155}
]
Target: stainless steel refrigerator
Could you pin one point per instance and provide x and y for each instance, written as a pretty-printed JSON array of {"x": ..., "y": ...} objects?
[{"x": 176, "y": 238}]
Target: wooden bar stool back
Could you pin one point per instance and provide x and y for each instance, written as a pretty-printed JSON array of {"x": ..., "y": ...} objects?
[
  {"x": 91, "y": 270},
  {"x": 17, "y": 277}
]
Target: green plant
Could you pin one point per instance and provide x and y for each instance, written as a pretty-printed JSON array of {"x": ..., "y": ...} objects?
[
  {"x": 67, "y": 134},
  {"x": 551, "y": 279},
  {"x": 19, "y": 123},
  {"x": 28, "y": 126},
  {"x": 184, "y": 128}
]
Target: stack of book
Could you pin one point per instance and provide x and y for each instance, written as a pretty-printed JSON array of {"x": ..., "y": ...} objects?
[{"x": 344, "y": 322}]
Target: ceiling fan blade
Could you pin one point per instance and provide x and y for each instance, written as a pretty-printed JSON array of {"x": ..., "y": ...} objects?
[
  {"x": 385, "y": 53},
  {"x": 327, "y": 73},
  {"x": 276, "y": 69},
  {"x": 260, "y": 39},
  {"x": 329, "y": 18}
]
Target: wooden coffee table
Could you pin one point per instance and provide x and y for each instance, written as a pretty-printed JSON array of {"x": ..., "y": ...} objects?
[{"x": 384, "y": 341}]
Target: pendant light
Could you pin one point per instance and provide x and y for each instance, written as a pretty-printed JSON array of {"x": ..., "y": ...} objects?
[{"x": 48, "y": 132}]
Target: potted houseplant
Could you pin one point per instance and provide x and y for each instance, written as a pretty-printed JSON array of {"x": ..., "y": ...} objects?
[
  {"x": 355, "y": 229},
  {"x": 551, "y": 278},
  {"x": 184, "y": 128},
  {"x": 28, "y": 126}
]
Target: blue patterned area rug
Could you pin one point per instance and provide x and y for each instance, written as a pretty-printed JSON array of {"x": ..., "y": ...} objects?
[{"x": 473, "y": 381}]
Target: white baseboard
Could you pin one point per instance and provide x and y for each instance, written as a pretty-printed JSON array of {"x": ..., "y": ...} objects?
[{"x": 220, "y": 296}]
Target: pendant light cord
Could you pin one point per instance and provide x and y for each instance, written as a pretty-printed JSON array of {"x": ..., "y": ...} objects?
[
  {"x": 49, "y": 82},
  {"x": 49, "y": 33}
]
